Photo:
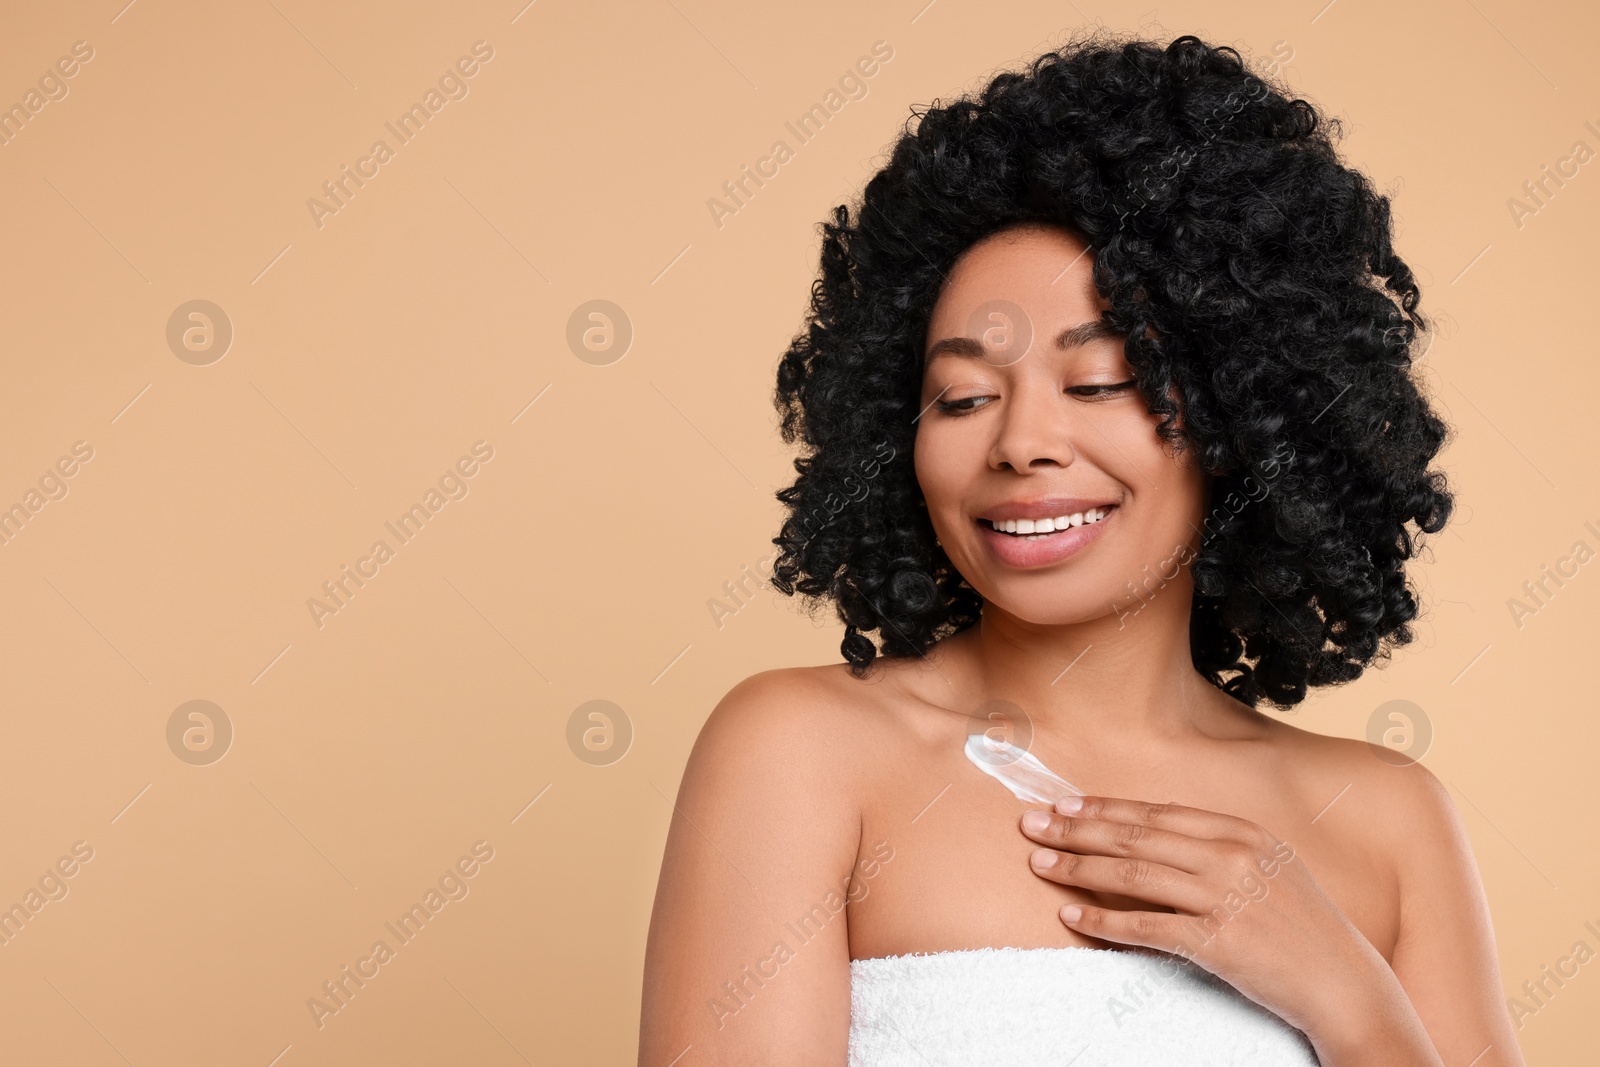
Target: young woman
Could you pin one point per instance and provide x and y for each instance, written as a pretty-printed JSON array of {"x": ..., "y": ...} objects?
[{"x": 1111, "y": 438}]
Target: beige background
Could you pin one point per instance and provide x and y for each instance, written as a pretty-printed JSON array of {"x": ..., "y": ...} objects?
[{"x": 431, "y": 310}]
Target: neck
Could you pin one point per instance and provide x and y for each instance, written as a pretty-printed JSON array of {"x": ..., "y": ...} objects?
[{"x": 1128, "y": 673}]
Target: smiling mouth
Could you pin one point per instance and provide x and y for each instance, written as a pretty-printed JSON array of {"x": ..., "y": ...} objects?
[{"x": 1039, "y": 529}]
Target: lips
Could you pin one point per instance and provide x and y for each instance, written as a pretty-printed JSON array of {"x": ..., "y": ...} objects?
[
  {"x": 1045, "y": 527},
  {"x": 1044, "y": 508},
  {"x": 1032, "y": 550}
]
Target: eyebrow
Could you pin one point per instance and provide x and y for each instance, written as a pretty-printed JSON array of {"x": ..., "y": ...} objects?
[{"x": 1072, "y": 337}]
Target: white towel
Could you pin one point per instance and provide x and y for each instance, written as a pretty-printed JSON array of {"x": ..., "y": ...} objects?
[{"x": 1088, "y": 1007}]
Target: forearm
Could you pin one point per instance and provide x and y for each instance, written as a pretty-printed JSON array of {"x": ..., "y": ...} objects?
[{"x": 1374, "y": 1025}]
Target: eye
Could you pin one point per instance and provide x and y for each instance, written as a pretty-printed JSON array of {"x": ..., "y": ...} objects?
[
  {"x": 964, "y": 406},
  {"x": 1102, "y": 392},
  {"x": 1096, "y": 392}
]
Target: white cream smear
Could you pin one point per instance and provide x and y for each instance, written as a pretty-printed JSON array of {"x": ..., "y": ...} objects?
[{"x": 1018, "y": 770}]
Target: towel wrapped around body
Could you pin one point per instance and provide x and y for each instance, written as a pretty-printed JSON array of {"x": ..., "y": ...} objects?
[{"x": 1087, "y": 1007}]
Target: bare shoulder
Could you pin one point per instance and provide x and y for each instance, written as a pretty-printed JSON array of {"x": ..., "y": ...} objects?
[
  {"x": 1399, "y": 807},
  {"x": 785, "y": 694},
  {"x": 786, "y": 735},
  {"x": 803, "y": 711}
]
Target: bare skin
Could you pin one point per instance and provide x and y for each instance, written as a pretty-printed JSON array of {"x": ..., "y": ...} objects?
[{"x": 811, "y": 793}]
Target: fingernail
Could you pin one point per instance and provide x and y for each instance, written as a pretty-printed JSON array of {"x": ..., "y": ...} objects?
[
  {"x": 1071, "y": 913},
  {"x": 1068, "y": 805},
  {"x": 1043, "y": 857},
  {"x": 1036, "y": 820}
]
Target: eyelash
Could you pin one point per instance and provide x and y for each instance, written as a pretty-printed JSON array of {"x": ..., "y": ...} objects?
[{"x": 1092, "y": 393}]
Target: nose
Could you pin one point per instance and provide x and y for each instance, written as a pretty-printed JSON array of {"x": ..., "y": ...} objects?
[{"x": 1035, "y": 429}]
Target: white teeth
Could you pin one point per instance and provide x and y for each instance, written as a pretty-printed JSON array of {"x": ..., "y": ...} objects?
[{"x": 1034, "y": 528}]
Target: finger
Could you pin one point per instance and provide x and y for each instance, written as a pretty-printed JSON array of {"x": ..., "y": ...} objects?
[
  {"x": 1108, "y": 838},
  {"x": 1179, "y": 818},
  {"x": 1151, "y": 929},
  {"x": 1140, "y": 879}
]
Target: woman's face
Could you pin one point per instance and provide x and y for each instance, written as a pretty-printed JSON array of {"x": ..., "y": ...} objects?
[{"x": 1030, "y": 413}]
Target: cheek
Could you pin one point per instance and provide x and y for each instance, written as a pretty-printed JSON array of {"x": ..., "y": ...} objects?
[
  {"x": 1181, "y": 489},
  {"x": 1168, "y": 488},
  {"x": 943, "y": 470},
  {"x": 935, "y": 468}
]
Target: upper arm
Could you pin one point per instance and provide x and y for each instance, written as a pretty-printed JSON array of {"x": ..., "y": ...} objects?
[
  {"x": 748, "y": 958},
  {"x": 1445, "y": 957}
]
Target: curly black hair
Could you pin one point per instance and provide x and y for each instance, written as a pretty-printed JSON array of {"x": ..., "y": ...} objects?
[{"x": 1241, "y": 259}]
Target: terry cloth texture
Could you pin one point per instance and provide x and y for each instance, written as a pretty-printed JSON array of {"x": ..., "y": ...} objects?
[{"x": 1088, "y": 1007}]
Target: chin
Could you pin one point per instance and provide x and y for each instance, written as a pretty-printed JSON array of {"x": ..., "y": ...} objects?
[{"x": 1046, "y": 606}]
